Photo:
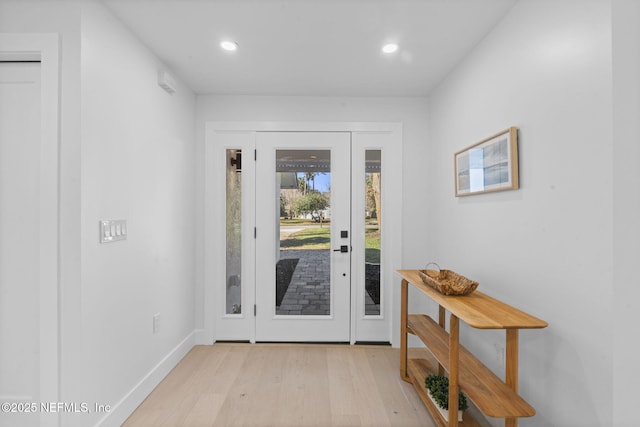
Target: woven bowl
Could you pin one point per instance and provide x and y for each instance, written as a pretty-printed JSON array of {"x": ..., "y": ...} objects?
[{"x": 447, "y": 282}]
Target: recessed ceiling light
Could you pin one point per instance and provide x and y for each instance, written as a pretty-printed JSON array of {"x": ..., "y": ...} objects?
[
  {"x": 389, "y": 47},
  {"x": 229, "y": 45}
]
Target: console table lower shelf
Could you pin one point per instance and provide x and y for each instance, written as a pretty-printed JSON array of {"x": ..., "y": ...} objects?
[
  {"x": 419, "y": 369},
  {"x": 484, "y": 388}
]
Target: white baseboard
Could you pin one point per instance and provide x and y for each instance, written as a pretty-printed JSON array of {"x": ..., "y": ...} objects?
[{"x": 125, "y": 407}]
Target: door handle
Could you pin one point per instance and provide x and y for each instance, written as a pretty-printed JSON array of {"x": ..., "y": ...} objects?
[{"x": 343, "y": 249}]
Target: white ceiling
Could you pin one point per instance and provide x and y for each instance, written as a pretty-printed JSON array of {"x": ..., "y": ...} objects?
[{"x": 311, "y": 47}]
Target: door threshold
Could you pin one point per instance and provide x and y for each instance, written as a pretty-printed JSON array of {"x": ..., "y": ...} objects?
[{"x": 305, "y": 342}]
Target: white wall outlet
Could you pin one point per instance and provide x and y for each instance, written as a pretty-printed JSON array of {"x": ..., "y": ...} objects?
[{"x": 156, "y": 323}]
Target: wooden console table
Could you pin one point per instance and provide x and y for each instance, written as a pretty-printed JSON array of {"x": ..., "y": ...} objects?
[{"x": 491, "y": 395}]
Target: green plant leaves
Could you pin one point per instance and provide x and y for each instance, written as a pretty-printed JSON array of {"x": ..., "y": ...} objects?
[{"x": 438, "y": 387}]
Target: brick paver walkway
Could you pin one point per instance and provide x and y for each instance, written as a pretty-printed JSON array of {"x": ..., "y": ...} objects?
[{"x": 309, "y": 290}]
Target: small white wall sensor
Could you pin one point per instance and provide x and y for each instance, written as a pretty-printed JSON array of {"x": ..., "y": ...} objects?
[{"x": 166, "y": 81}]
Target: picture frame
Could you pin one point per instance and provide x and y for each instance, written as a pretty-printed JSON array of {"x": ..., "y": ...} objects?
[{"x": 489, "y": 165}]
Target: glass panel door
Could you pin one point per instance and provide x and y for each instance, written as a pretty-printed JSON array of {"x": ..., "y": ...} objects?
[
  {"x": 377, "y": 228},
  {"x": 303, "y": 236},
  {"x": 280, "y": 207},
  {"x": 229, "y": 244},
  {"x": 303, "y": 276},
  {"x": 373, "y": 231},
  {"x": 233, "y": 288}
]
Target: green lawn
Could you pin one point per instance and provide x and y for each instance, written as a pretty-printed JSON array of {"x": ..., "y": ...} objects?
[
  {"x": 298, "y": 221},
  {"x": 319, "y": 238},
  {"x": 310, "y": 238},
  {"x": 372, "y": 245}
]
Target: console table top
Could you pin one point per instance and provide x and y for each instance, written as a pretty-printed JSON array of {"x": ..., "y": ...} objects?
[{"x": 477, "y": 309}]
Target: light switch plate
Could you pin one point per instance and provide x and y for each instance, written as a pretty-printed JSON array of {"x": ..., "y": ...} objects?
[{"x": 112, "y": 230}]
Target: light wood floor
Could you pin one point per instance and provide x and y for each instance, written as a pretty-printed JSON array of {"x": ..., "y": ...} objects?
[{"x": 284, "y": 385}]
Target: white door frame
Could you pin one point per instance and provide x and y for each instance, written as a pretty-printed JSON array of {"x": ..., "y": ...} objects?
[
  {"x": 384, "y": 324},
  {"x": 45, "y": 48}
]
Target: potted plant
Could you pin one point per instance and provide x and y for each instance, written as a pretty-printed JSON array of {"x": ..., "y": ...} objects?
[{"x": 438, "y": 387}]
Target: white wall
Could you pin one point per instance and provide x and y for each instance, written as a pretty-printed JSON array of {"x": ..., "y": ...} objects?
[
  {"x": 546, "y": 248},
  {"x": 137, "y": 164},
  {"x": 626, "y": 205},
  {"x": 127, "y": 151},
  {"x": 411, "y": 112}
]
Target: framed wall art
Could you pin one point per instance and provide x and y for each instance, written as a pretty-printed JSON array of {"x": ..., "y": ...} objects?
[{"x": 489, "y": 165}]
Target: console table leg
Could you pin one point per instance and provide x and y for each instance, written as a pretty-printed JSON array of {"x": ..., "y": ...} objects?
[
  {"x": 511, "y": 374},
  {"x": 511, "y": 368},
  {"x": 454, "y": 388},
  {"x": 404, "y": 298},
  {"x": 442, "y": 321},
  {"x": 442, "y": 317}
]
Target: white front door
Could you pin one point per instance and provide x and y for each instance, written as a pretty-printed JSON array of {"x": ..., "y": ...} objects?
[
  {"x": 303, "y": 236},
  {"x": 271, "y": 276},
  {"x": 19, "y": 240}
]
